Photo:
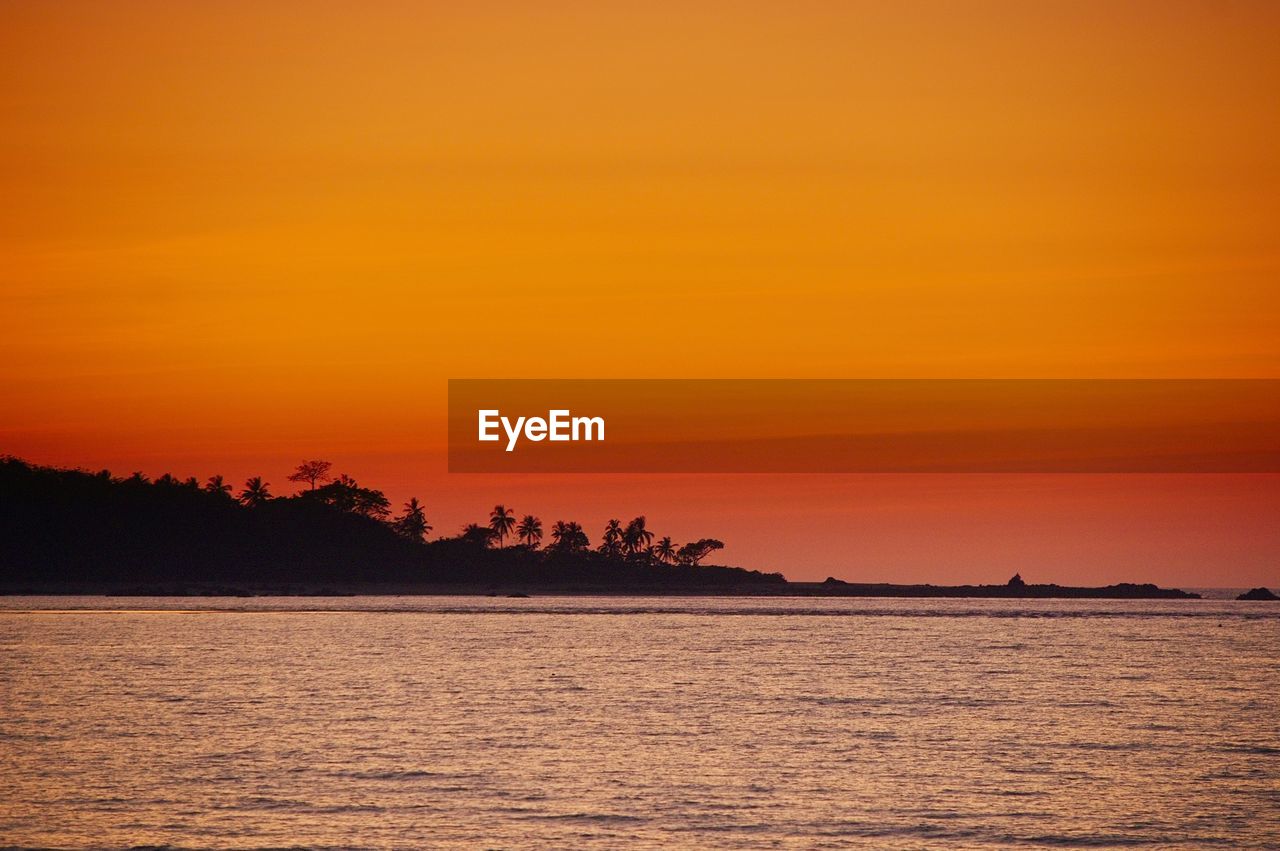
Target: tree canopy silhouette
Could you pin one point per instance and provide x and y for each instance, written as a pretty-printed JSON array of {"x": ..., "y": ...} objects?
[
  {"x": 412, "y": 524},
  {"x": 477, "y": 535},
  {"x": 255, "y": 492},
  {"x": 345, "y": 494},
  {"x": 611, "y": 540},
  {"x": 215, "y": 484},
  {"x": 311, "y": 472},
  {"x": 636, "y": 539},
  {"x": 502, "y": 520},
  {"x": 695, "y": 552},
  {"x": 529, "y": 530},
  {"x": 568, "y": 537}
]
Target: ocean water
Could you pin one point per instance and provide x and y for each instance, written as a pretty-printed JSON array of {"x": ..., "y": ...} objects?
[{"x": 623, "y": 722}]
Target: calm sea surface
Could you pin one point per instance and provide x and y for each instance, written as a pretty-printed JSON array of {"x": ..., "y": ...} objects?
[{"x": 410, "y": 722}]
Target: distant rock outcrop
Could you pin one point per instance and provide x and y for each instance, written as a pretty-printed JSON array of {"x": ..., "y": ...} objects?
[
  {"x": 1016, "y": 581},
  {"x": 1258, "y": 594}
]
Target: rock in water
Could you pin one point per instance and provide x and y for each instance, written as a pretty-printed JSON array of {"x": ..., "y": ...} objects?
[{"x": 1258, "y": 594}]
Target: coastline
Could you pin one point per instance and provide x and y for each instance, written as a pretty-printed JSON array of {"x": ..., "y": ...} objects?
[{"x": 1121, "y": 591}]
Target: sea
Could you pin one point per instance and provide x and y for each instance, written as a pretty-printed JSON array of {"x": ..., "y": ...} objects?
[{"x": 628, "y": 722}]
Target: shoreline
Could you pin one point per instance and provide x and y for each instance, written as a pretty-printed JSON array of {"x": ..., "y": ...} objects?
[{"x": 830, "y": 588}]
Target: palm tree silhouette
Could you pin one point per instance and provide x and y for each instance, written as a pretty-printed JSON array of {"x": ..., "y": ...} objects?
[
  {"x": 255, "y": 492},
  {"x": 413, "y": 523},
  {"x": 636, "y": 538},
  {"x": 502, "y": 521},
  {"x": 577, "y": 538},
  {"x": 559, "y": 532},
  {"x": 215, "y": 484},
  {"x": 569, "y": 536},
  {"x": 665, "y": 550},
  {"x": 530, "y": 530},
  {"x": 612, "y": 542}
]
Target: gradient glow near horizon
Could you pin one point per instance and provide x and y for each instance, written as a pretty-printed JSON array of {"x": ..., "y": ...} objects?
[{"x": 240, "y": 234}]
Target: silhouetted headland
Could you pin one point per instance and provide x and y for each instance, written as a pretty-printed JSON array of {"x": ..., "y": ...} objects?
[
  {"x": 1020, "y": 591},
  {"x": 76, "y": 532},
  {"x": 1259, "y": 593}
]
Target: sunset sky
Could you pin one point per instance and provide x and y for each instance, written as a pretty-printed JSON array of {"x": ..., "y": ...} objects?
[{"x": 237, "y": 235}]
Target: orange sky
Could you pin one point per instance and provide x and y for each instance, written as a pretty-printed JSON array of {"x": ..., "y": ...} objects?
[{"x": 237, "y": 234}]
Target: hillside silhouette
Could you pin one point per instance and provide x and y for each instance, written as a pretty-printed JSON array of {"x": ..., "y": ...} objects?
[
  {"x": 72, "y": 531},
  {"x": 69, "y": 529}
]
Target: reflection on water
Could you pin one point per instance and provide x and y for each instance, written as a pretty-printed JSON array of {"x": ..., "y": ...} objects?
[{"x": 723, "y": 723}]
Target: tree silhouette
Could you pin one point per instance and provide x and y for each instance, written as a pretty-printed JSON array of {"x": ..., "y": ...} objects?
[
  {"x": 372, "y": 503},
  {"x": 340, "y": 493},
  {"x": 530, "y": 530},
  {"x": 611, "y": 542},
  {"x": 345, "y": 494},
  {"x": 636, "y": 538},
  {"x": 569, "y": 537},
  {"x": 502, "y": 520},
  {"x": 665, "y": 550},
  {"x": 255, "y": 492},
  {"x": 474, "y": 533},
  {"x": 215, "y": 484},
  {"x": 311, "y": 472},
  {"x": 696, "y": 551},
  {"x": 413, "y": 523}
]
